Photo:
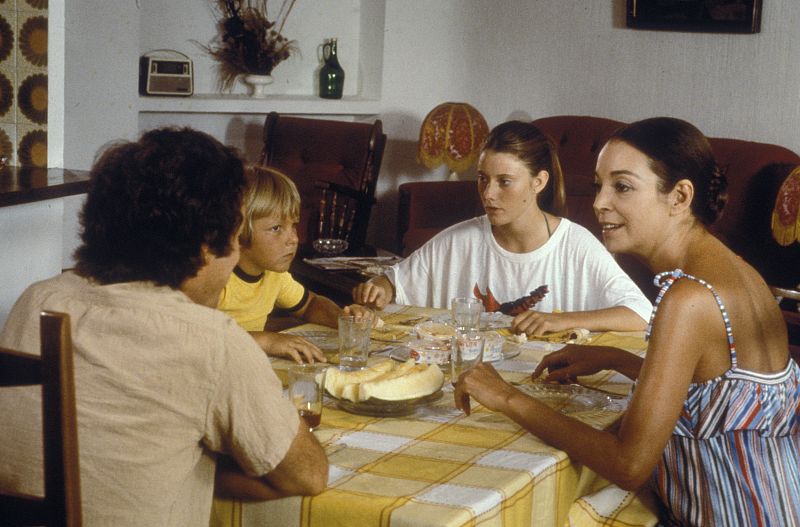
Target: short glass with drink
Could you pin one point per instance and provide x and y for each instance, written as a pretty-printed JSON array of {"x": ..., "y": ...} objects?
[
  {"x": 466, "y": 312},
  {"x": 465, "y": 352},
  {"x": 306, "y": 384},
  {"x": 354, "y": 332}
]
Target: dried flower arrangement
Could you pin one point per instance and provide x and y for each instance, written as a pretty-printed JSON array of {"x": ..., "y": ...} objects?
[{"x": 248, "y": 42}]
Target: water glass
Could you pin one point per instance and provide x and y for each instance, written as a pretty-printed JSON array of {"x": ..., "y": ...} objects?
[
  {"x": 306, "y": 385},
  {"x": 465, "y": 352},
  {"x": 466, "y": 312},
  {"x": 354, "y": 332}
]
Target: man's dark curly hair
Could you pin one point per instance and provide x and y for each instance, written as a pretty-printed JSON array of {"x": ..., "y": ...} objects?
[{"x": 153, "y": 204}]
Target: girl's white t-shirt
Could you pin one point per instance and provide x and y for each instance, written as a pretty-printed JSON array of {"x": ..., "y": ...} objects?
[{"x": 580, "y": 273}]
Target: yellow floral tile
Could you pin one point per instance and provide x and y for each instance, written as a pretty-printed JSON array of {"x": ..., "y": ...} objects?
[
  {"x": 8, "y": 137},
  {"x": 23, "y": 81},
  {"x": 8, "y": 5},
  {"x": 32, "y": 99},
  {"x": 31, "y": 146},
  {"x": 31, "y": 40},
  {"x": 8, "y": 22},
  {"x": 8, "y": 108},
  {"x": 32, "y": 4}
]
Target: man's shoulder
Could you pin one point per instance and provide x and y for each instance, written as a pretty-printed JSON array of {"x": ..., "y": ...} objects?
[{"x": 140, "y": 301}]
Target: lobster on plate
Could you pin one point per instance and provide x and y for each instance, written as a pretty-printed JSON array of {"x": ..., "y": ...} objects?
[{"x": 513, "y": 308}]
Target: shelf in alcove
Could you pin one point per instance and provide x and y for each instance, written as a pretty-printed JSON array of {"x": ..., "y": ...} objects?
[{"x": 244, "y": 104}]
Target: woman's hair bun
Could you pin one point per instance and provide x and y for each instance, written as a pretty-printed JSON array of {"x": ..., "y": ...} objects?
[{"x": 717, "y": 195}]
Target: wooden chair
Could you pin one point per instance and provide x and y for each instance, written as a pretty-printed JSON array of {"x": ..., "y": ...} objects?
[
  {"x": 335, "y": 165},
  {"x": 61, "y": 504}
]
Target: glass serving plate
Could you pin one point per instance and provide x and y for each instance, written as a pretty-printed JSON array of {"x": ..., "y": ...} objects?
[
  {"x": 380, "y": 408},
  {"x": 489, "y": 321},
  {"x": 495, "y": 320},
  {"x": 568, "y": 398},
  {"x": 327, "y": 341},
  {"x": 402, "y": 354}
]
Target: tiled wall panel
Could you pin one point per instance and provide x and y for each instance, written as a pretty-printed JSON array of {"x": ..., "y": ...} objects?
[{"x": 23, "y": 82}]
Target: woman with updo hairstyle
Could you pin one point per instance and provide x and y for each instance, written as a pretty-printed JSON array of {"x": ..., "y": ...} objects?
[
  {"x": 713, "y": 421},
  {"x": 520, "y": 248},
  {"x": 678, "y": 150}
]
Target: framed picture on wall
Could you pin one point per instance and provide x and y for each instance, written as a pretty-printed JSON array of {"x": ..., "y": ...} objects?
[{"x": 710, "y": 16}]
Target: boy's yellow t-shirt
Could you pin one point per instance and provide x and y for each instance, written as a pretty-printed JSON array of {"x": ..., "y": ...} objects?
[{"x": 250, "y": 299}]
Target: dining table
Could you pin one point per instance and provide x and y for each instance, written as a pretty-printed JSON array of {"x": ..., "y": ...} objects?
[{"x": 432, "y": 465}]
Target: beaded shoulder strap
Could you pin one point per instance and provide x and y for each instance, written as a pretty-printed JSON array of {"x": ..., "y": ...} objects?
[{"x": 666, "y": 279}]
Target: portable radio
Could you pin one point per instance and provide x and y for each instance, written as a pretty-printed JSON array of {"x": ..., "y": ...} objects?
[{"x": 165, "y": 76}]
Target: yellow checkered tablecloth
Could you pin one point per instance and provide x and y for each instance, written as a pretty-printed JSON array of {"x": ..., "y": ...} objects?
[{"x": 438, "y": 467}]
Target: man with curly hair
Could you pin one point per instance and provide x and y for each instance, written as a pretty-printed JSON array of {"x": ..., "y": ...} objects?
[{"x": 169, "y": 390}]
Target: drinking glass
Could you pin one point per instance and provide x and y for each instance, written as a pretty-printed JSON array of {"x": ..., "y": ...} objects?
[
  {"x": 465, "y": 352},
  {"x": 466, "y": 312},
  {"x": 354, "y": 335},
  {"x": 306, "y": 384}
]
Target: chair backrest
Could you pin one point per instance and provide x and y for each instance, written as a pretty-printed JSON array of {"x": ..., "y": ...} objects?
[
  {"x": 52, "y": 370},
  {"x": 335, "y": 165}
]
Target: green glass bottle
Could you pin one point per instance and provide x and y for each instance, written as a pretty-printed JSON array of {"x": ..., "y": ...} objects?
[{"x": 331, "y": 76}]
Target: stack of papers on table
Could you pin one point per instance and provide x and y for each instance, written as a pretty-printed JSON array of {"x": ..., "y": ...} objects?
[{"x": 367, "y": 265}]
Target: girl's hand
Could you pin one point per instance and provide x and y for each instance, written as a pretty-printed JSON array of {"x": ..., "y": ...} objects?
[
  {"x": 537, "y": 323},
  {"x": 374, "y": 293}
]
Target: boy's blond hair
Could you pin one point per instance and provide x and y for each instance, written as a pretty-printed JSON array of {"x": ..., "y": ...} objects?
[{"x": 270, "y": 192}]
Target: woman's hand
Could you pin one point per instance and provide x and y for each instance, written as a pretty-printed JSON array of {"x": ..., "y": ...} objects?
[
  {"x": 573, "y": 360},
  {"x": 484, "y": 384},
  {"x": 291, "y": 347},
  {"x": 374, "y": 293},
  {"x": 536, "y": 323}
]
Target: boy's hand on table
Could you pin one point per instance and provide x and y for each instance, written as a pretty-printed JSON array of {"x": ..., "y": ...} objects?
[
  {"x": 357, "y": 310},
  {"x": 292, "y": 347}
]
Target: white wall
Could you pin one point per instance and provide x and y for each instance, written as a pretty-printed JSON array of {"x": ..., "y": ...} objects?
[
  {"x": 101, "y": 57},
  {"x": 533, "y": 58},
  {"x": 31, "y": 244},
  {"x": 187, "y": 25},
  {"x": 515, "y": 58}
]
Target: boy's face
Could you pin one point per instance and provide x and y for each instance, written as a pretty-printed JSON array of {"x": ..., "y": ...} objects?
[{"x": 272, "y": 246}]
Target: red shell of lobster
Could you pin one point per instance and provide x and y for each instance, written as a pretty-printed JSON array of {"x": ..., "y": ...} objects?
[{"x": 490, "y": 303}]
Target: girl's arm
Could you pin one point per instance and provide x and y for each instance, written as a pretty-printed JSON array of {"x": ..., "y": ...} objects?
[{"x": 535, "y": 323}]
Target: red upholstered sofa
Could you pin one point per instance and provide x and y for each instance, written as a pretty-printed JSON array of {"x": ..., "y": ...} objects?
[{"x": 755, "y": 172}]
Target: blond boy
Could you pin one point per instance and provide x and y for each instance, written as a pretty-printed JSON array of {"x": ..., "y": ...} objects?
[{"x": 261, "y": 280}]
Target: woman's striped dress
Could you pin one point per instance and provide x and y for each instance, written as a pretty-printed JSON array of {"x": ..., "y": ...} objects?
[{"x": 734, "y": 456}]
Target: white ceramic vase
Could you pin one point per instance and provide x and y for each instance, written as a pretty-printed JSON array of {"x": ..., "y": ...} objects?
[{"x": 258, "y": 84}]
